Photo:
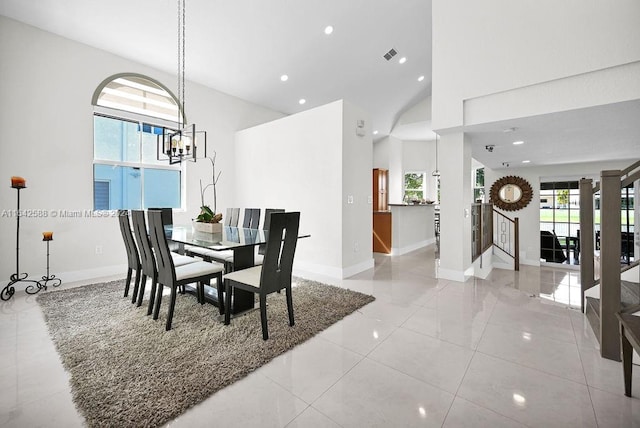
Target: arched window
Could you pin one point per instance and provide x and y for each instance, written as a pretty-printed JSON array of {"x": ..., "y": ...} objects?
[{"x": 130, "y": 111}]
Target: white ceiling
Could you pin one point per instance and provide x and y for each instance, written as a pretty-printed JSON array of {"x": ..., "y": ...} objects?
[
  {"x": 609, "y": 132},
  {"x": 242, "y": 48}
]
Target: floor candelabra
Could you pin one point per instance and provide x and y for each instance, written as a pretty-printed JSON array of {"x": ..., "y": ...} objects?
[{"x": 34, "y": 286}]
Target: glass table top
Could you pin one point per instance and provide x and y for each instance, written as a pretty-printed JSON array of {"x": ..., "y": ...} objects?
[{"x": 229, "y": 238}]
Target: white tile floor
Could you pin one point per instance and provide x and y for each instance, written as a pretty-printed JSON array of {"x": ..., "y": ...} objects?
[{"x": 427, "y": 352}]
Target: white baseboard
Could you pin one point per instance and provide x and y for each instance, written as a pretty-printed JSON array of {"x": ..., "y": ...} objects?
[
  {"x": 82, "y": 275},
  {"x": 307, "y": 269},
  {"x": 101, "y": 272},
  {"x": 395, "y": 251},
  {"x": 452, "y": 275}
]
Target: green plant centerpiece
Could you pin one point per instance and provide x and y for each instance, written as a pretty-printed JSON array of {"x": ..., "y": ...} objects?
[{"x": 209, "y": 220}]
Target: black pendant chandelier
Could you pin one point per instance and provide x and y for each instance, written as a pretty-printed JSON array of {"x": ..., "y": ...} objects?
[{"x": 183, "y": 143}]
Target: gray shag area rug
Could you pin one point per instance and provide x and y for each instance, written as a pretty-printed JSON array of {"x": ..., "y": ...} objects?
[{"x": 127, "y": 371}]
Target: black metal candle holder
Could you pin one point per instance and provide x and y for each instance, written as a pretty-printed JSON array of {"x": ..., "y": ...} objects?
[
  {"x": 34, "y": 286},
  {"x": 45, "y": 279}
]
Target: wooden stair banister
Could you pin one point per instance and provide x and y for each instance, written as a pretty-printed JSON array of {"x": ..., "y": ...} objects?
[
  {"x": 587, "y": 236},
  {"x": 615, "y": 294}
]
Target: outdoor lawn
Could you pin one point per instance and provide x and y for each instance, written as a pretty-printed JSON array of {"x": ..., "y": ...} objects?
[{"x": 562, "y": 216}]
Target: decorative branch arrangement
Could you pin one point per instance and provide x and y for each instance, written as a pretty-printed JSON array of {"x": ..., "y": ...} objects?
[{"x": 208, "y": 215}]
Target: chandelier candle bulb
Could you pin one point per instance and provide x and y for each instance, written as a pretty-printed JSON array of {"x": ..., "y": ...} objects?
[
  {"x": 18, "y": 182},
  {"x": 47, "y": 236}
]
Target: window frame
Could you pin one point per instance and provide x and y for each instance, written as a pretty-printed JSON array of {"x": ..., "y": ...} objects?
[
  {"x": 405, "y": 190},
  {"x": 141, "y": 120}
]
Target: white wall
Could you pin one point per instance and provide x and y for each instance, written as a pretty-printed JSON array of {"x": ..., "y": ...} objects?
[
  {"x": 357, "y": 219},
  {"x": 312, "y": 162},
  {"x": 45, "y": 98},
  {"x": 530, "y": 215},
  {"x": 381, "y": 153},
  {"x": 482, "y": 48},
  {"x": 402, "y": 156}
]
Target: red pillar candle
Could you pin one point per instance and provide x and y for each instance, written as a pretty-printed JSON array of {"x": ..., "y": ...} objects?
[
  {"x": 47, "y": 236},
  {"x": 18, "y": 182}
]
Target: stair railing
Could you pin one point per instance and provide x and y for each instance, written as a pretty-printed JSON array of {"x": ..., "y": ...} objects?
[
  {"x": 506, "y": 236},
  {"x": 611, "y": 182}
]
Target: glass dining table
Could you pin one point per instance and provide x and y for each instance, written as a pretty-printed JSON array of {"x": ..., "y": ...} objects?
[{"x": 240, "y": 240}]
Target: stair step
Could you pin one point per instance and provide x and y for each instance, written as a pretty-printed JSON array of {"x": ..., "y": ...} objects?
[
  {"x": 592, "y": 313},
  {"x": 629, "y": 293}
]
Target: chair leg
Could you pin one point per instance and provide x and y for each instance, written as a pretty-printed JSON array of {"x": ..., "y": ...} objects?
[
  {"x": 263, "y": 316},
  {"x": 156, "y": 310},
  {"x": 227, "y": 302},
  {"x": 290, "y": 305},
  {"x": 128, "y": 282},
  {"x": 220, "y": 287},
  {"x": 152, "y": 295},
  {"x": 136, "y": 285},
  {"x": 143, "y": 283},
  {"x": 201, "y": 292},
  {"x": 172, "y": 306}
]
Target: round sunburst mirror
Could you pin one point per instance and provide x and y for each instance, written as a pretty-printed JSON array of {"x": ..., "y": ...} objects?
[{"x": 511, "y": 193}]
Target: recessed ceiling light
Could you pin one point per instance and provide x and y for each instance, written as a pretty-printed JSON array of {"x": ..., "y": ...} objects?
[
  {"x": 517, "y": 143},
  {"x": 420, "y": 79},
  {"x": 526, "y": 161},
  {"x": 284, "y": 77},
  {"x": 328, "y": 30},
  {"x": 302, "y": 101},
  {"x": 402, "y": 60},
  {"x": 375, "y": 132}
]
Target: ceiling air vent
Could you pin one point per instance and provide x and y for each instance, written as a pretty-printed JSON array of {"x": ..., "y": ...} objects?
[{"x": 390, "y": 54}]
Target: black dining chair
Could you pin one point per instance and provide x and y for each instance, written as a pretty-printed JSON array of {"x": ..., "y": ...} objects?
[
  {"x": 133, "y": 257},
  {"x": 171, "y": 276},
  {"x": 167, "y": 220},
  {"x": 251, "y": 221},
  {"x": 275, "y": 272},
  {"x": 251, "y": 218},
  {"x": 267, "y": 219},
  {"x": 148, "y": 259}
]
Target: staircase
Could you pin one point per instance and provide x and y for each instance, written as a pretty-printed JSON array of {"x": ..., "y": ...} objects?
[
  {"x": 492, "y": 229},
  {"x": 629, "y": 302},
  {"x": 612, "y": 294},
  {"x": 506, "y": 240}
]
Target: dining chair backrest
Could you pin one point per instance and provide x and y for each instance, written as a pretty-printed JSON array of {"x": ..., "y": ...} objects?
[
  {"x": 282, "y": 239},
  {"x": 167, "y": 215},
  {"x": 144, "y": 245},
  {"x": 265, "y": 226},
  {"x": 251, "y": 218},
  {"x": 133, "y": 257},
  {"x": 166, "y": 269},
  {"x": 233, "y": 216}
]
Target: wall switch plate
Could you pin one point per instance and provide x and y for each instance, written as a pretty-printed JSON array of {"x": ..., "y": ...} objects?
[
  {"x": 98, "y": 250},
  {"x": 350, "y": 199},
  {"x": 369, "y": 199}
]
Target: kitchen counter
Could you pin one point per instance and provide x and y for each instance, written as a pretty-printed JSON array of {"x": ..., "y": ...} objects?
[{"x": 412, "y": 227}]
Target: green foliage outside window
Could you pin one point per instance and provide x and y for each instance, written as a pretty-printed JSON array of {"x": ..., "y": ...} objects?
[{"x": 414, "y": 186}]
